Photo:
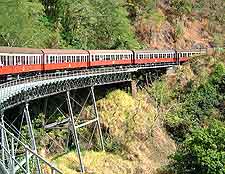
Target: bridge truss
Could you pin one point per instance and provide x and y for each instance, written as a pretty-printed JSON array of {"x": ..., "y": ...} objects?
[{"x": 23, "y": 91}]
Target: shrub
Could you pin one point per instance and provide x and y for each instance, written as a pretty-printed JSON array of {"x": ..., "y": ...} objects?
[{"x": 203, "y": 151}]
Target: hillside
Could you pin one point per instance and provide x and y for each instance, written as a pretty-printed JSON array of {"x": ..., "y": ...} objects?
[{"x": 121, "y": 24}]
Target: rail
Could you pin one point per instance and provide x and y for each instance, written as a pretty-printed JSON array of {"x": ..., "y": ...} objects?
[{"x": 65, "y": 74}]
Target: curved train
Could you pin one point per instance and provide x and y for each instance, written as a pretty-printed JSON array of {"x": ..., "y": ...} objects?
[{"x": 25, "y": 60}]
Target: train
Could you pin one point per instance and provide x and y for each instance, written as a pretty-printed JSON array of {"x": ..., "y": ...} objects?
[{"x": 15, "y": 60}]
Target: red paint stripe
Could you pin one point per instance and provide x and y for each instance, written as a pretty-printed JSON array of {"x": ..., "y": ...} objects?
[{"x": 73, "y": 65}]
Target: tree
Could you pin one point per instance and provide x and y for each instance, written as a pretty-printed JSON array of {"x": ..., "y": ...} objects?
[
  {"x": 22, "y": 24},
  {"x": 95, "y": 24},
  {"x": 203, "y": 151}
]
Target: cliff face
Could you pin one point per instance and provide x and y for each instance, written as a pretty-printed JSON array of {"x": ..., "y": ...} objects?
[{"x": 182, "y": 24}]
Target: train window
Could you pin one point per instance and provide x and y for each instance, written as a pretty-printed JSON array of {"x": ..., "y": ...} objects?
[
  {"x": 77, "y": 58},
  {"x": 168, "y": 55},
  {"x": 59, "y": 59},
  {"x": 156, "y": 55},
  {"x": 51, "y": 59},
  {"x": 107, "y": 57},
  {"x": 97, "y": 57},
  {"x": 113, "y": 57},
  {"x": 3, "y": 60},
  {"x": 18, "y": 61},
  {"x": 117, "y": 57},
  {"x": 23, "y": 60},
  {"x": 10, "y": 60},
  {"x": 31, "y": 59},
  {"x": 38, "y": 60},
  {"x": 63, "y": 59},
  {"x": 68, "y": 59},
  {"x": 35, "y": 61},
  {"x": 26, "y": 60}
]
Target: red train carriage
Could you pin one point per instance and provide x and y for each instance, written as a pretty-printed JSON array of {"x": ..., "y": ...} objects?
[
  {"x": 110, "y": 57},
  {"x": 24, "y": 60},
  {"x": 56, "y": 59},
  {"x": 154, "y": 56},
  {"x": 20, "y": 60},
  {"x": 184, "y": 54}
]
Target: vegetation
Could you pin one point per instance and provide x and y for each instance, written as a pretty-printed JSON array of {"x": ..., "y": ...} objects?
[
  {"x": 99, "y": 24},
  {"x": 202, "y": 151}
]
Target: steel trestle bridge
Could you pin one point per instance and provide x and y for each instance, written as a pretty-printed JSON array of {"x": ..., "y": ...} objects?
[{"x": 24, "y": 90}]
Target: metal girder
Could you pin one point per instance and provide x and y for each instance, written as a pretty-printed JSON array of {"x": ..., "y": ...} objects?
[
  {"x": 74, "y": 130},
  {"x": 62, "y": 86},
  {"x": 31, "y": 133}
]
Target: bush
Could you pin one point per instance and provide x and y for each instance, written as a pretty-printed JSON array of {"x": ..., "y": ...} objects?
[
  {"x": 203, "y": 151},
  {"x": 198, "y": 105}
]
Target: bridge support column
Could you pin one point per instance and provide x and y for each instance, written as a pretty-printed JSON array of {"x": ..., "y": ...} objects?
[
  {"x": 76, "y": 125},
  {"x": 6, "y": 158},
  {"x": 74, "y": 131},
  {"x": 2, "y": 139},
  {"x": 133, "y": 88},
  {"x": 31, "y": 133},
  {"x": 97, "y": 118}
]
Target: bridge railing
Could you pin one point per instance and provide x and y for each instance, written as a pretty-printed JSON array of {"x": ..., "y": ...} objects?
[
  {"x": 13, "y": 162},
  {"x": 49, "y": 76}
]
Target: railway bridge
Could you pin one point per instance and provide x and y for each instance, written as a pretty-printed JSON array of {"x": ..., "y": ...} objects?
[{"x": 21, "y": 156}]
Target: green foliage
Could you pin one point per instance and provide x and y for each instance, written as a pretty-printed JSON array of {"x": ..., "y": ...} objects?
[
  {"x": 99, "y": 24},
  {"x": 179, "y": 30},
  {"x": 137, "y": 8},
  {"x": 198, "y": 105},
  {"x": 22, "y": 24},
  {"x": 160, "y": 92},
  {"x": 181, "y": 7},
  {"x": 202, "y": 152},
  {"x": 218, "y": 40}
]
